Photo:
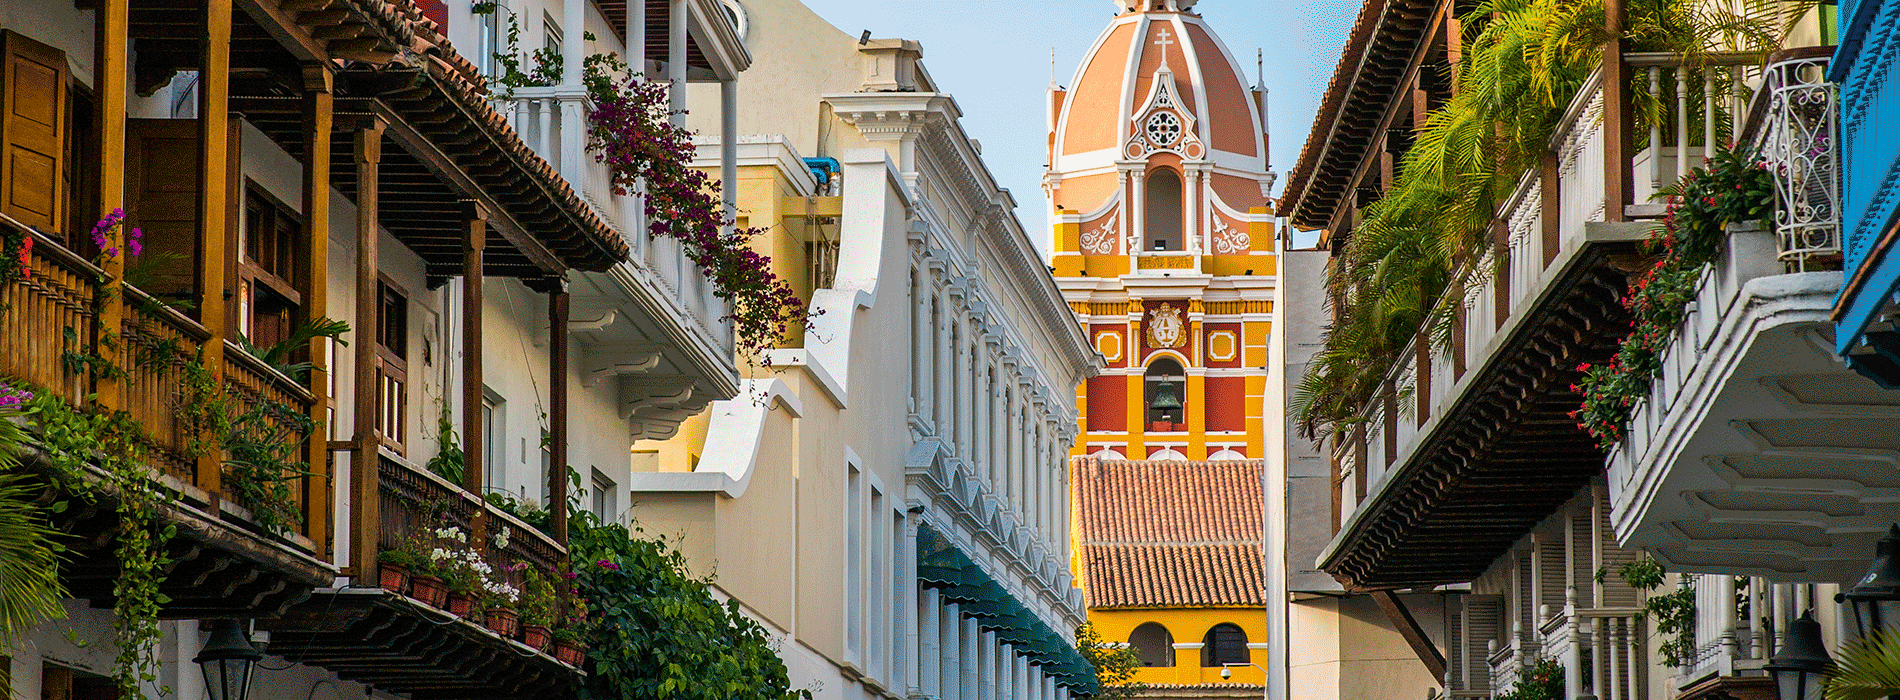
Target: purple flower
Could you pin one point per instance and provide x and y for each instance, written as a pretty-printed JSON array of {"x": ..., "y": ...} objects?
[
  {"x": 11, "y": 397},
  {"x": 610, "y": 566},
  {"x": 135, "y": 244}
]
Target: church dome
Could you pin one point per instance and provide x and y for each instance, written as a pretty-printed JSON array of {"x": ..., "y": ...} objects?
[{"x": 1158, "y": 80}]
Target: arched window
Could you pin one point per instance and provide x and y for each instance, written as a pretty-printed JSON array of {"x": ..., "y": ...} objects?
[
  {"x": 1163, "y": 213},
  {"x": 1165, "y": 382},
  {"x": 1225, "y": 644},
  {"x": 1152, "y": 644}
]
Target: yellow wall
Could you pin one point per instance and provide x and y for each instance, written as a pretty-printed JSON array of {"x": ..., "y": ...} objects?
[{"x": 1188, "y": 625}]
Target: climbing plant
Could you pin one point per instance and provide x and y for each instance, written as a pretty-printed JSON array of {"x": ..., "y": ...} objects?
[
  {"x": 1544, "y": 680},
  {"x": 655, "y": 631},
  {"x": 1673, "y": 611},
  {"x": 76, "y": 441}
]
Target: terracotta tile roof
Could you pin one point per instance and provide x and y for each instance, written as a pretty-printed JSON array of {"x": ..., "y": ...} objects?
[{"x": 1158, "y": 534}]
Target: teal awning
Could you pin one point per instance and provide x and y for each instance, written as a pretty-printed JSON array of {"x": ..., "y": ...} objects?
[{"x": 942, "y": 566}]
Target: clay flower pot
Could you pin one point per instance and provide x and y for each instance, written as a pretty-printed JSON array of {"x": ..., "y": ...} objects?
[
  {"x": 570, "y": 653},
  {"x": 392, "y": 577},
  {"x": 431, "y": 591},
  {"x": 502, "y": 621},
  {"x": 461, "y": 605},
  {"x": 536, "y": 636}
]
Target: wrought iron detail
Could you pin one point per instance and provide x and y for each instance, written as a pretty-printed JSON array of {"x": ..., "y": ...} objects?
[{"x": 1800, "y": 143}]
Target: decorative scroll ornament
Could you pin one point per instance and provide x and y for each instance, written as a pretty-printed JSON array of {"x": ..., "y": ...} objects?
[
  {"x": 1230, "y": 241},
  {"x": 1165, "y": 327},
  {"x": 1101, "y": 239}
]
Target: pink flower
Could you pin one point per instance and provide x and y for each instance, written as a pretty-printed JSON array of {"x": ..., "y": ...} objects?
[{"x": 610, "y": 566}]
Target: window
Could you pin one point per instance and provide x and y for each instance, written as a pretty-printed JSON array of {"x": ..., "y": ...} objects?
[
  {"x": 606, "y": 505},
  {"x": 1152, "y": 644},
  {"x": 854, "y": 564},
  {"x": 267, "y": 298},
  {"x": 392, "y": 364},
  {"x": 1225, "y": 644},
  {"x": 547, "y": 469},
  {"x": 489, "y": 40},
  {"x": 1163, "y": 210},
  {"x": 494, "y": 442},
  {"x": 1165, "y": 382},
  {"x": 551, "y": 40}
]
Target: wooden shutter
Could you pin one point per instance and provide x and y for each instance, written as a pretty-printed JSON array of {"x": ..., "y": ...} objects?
[
  {"x": 33, "y": 128},
  {"x": 161, "y": 162}
]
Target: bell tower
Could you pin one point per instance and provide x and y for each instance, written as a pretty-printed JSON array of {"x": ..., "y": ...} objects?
[{"x": 1163, "y": 236}]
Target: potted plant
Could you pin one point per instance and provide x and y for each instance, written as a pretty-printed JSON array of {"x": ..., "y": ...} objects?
[
  {"x": 568, "y": 648},
  {"x": 537, "y": 608},
  {"x": 461, "y": 568},
  {"x": 499, "y": 599},
  {"x": 392, "y": 569}
]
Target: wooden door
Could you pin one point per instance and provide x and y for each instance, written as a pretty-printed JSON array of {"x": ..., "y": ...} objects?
[
  {"x": 33, "y": 130},
  {"x": 161, "y": 196}
]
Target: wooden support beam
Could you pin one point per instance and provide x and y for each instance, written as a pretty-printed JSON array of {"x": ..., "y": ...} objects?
[
  {"x": 274, "y": 17},
  {"x": 318, "y": 124},
  {"x": 214, "y": 198},
  {"x": 426, "y": 152},
  {"x": 112, "y": 28},
  {"x": 1617, "y": 113},
  {"x": 474, "y": 449},
  {"x": 365, "y": 491},
  {"x": 558, "y": 313}
]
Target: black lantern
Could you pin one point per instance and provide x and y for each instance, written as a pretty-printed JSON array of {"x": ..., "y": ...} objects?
[
  {"x": 1876, "y": 599},
  {"x": 227, "y": 660},
  {"x": 1803, "y": 661}
]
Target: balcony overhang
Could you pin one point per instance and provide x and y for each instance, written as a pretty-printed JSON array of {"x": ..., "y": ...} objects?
[
  {"x": 1504, "y": 453},
  {"x": 398, "y": 645},
  {"x": 218, "y": 564},
  {"x": 1758, "y": 453},
  {"x": 714, "y": 48}
]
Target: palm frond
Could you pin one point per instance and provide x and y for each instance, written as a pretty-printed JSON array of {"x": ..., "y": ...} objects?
[{"x": 1866, "y": 669}]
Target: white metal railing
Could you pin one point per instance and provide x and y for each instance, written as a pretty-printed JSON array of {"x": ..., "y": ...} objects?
[{"x": 1799, "y": 139}]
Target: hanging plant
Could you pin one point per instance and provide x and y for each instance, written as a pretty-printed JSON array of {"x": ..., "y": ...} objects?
[
  {"x": 629, "y": 131},
  {"x": 1734, "y": 187},
  {"x": 115, "y": 443}
]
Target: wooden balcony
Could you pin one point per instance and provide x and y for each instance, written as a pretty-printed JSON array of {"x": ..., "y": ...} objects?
[
  {"x": 53, "y": 318},
  {"x": 400, "y": 644},
  {"x": 1472, "y": 444}
]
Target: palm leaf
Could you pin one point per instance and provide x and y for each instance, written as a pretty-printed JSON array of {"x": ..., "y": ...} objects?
[
  {"x": 1866, "y": 669},
  {"x": 29, "y": 572}
]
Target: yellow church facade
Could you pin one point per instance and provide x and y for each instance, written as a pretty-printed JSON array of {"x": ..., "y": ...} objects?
[{"x": 1163, "y": 237}]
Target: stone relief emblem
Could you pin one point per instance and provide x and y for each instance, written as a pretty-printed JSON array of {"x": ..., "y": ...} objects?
[
  {"x": 1230, "y": 241},
  {"x": 1100, "y": 240},
  {"x": 1166, "y": 328}
]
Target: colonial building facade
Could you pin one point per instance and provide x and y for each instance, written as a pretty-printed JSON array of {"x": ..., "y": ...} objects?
[
  {"x": 1157, "y": 189},
  {"x": 287, "y": 163},
  {"x": 890, "y": 492}
]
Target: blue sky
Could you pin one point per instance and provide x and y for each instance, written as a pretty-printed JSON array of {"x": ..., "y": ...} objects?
[{"x": 993, "y": 55}]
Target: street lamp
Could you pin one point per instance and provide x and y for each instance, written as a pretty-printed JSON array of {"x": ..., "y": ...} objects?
[
  {"x": 1802, "y": 662},
  {"x": 226, "y": 660},
  {"x": 1876, "y": 599},
  {"x": 1227, "y": 671}
]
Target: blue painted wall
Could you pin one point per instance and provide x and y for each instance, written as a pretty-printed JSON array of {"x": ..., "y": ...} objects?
[{"x": 1867, "y": 67}]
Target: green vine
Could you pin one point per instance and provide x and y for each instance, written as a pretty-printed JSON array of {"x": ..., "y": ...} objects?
[
  {"x": 1673, "y": 612},
  {"x": 655, "y": 631},
  {"x": 1116, "y": 666},
  {"x": 116, "y": 444}
]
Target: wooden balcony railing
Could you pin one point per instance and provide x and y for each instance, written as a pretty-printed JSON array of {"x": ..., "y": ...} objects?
[
  {"x": 1696, "y": 104},
  {"x": 416, "y": 502},
  {"x": 51, "y": 343}
]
